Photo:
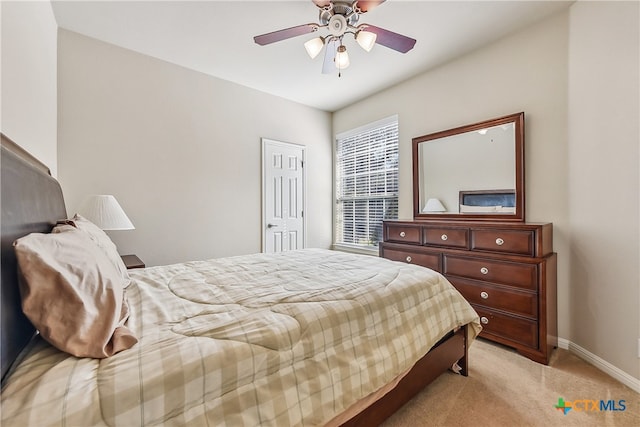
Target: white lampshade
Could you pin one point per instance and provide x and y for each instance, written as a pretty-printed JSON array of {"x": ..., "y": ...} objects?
[
  {"x": 342, "y": 58},
  {"x": 314, "y": 46},
  {"x": 366, "y": 39},
  {"x": 105, "y": 212},
  {"x": 434, "y": 205}
]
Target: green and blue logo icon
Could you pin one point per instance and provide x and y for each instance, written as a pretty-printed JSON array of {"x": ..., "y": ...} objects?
[{"x": 562, "y": 406}]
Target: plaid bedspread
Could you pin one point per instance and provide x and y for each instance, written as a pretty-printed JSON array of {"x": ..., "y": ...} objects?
[{"x": 261, "y": 340}]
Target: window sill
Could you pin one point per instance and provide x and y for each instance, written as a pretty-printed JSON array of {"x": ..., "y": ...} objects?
[{"x": 373, "y": 251}]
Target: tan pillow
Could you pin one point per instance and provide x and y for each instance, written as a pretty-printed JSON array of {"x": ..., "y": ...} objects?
[
  {"x": 73, "y": 294},
  {"x": 100, "y": 238}
]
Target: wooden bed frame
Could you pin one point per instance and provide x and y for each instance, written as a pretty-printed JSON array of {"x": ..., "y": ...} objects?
[{"x": 32, "y": 201}]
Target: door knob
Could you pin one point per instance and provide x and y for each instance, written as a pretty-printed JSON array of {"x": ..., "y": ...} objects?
[{"x": 271, "y": 225}]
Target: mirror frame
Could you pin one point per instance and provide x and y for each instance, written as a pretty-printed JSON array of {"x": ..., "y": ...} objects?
[{"x": 518, "y": 120}]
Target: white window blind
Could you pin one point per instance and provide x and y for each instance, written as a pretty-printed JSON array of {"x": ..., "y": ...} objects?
[{"x": 366, "y": 182}]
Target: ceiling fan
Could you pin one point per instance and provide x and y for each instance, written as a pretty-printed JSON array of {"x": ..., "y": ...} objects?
[{"x": 340, "y": 17}]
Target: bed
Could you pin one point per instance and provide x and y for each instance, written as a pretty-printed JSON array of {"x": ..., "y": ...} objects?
[{"x": 310, "y": 337}]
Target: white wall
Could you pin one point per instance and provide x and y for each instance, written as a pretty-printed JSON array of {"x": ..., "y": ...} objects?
[
  {"x": 604, "y": 135},
  {"x": 29, "y": 75},
  {"x": 180, "y": 150}
]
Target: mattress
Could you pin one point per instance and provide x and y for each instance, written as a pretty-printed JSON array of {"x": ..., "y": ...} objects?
[{"x": 291, "y": 339}]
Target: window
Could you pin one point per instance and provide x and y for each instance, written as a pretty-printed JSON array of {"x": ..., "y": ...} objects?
[{"x": 366, "y": 182}]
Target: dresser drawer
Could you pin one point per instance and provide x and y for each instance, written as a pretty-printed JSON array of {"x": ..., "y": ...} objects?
[
  {"x": 512, "y": 328},
  {"x": 403, "y": 234},
  {"x": 431, "y": 261},
  {"x": 508, "y": 241},
  {"x": 506, "y": 273},
  {"x": 514, "y": 301},
  {"x": 447, "y": 237}
]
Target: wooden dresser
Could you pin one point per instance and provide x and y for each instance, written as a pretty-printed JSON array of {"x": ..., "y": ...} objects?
[{"x": 506, "y": 270}]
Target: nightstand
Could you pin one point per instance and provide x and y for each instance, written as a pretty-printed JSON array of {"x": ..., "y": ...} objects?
[{"x": 132, "y": 261}]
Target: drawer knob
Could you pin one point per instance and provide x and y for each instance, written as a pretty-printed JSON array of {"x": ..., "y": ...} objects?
[
  {"x": 409, "y": 258},
  {"x": 402, "y": 234},
  {"x": 484, "y": 270},
  {"x": 444, "y": 237},
  {"x": 499, "y": 241},
  {"x": 484, "y": 295},
  {"x": 484, "y": 320}
]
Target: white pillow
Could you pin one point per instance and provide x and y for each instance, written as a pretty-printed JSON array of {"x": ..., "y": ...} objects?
[
  {"x": 101, "y": 239},
  {"x": 479, "y": 209}
]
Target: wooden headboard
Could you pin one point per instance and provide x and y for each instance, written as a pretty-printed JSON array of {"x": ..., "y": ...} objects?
[{"x": 32, "y": 202}]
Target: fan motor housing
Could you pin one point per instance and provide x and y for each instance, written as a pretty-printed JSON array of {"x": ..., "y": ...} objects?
[
  {"x": 342, "y": 10},
  {"x": 337, "y": 25}
]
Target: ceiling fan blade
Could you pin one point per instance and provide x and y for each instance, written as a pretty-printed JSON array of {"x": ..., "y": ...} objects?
[
  {"x": 321, "y": 3},
  {"x": 367, "y": 5},
  {"x": 390, "y": 39},
  {"x": 287, "y": 33},
  {"x": 329, "y": 66}
]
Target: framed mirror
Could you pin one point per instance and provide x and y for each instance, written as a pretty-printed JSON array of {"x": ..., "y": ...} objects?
[{"x": 473, "y": 172}]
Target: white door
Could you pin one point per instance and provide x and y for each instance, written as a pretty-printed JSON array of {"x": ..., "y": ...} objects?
[{"x": 282, "y": 196}]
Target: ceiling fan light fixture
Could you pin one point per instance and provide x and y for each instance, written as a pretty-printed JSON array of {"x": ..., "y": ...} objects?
[
  {"x": 342, "y": 58},
  {"x": 339, "y": 18},
  {"x": 366, "y": 39},
  {"x": 314, "y": 46}
]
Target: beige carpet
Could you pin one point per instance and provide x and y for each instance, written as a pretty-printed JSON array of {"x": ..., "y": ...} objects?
[{"x": 506, "y": 389}]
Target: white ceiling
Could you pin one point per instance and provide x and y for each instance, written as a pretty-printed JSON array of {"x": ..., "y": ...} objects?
[{"x": 216, "y": 38}]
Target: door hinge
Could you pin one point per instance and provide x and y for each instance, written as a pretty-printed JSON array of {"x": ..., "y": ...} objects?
[
  {"x": 301, "y": 163},
  {"x": 302, "y": 214}
]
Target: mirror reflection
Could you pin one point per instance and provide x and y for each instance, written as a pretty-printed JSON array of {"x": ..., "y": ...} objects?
[
  {"x": 471, "y": 172},
  {"x": 480, "y": 160}
]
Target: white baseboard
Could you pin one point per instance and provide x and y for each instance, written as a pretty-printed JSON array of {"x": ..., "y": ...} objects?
[{"x": 603, "y": 365}]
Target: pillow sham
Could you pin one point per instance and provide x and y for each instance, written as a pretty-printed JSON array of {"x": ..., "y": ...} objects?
[
  {"x": 486, "y": 209},
  {"x": 73, "y": 294},
  {"x": 100, "y": 238},
  {"x": 481, "y": 209}
]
